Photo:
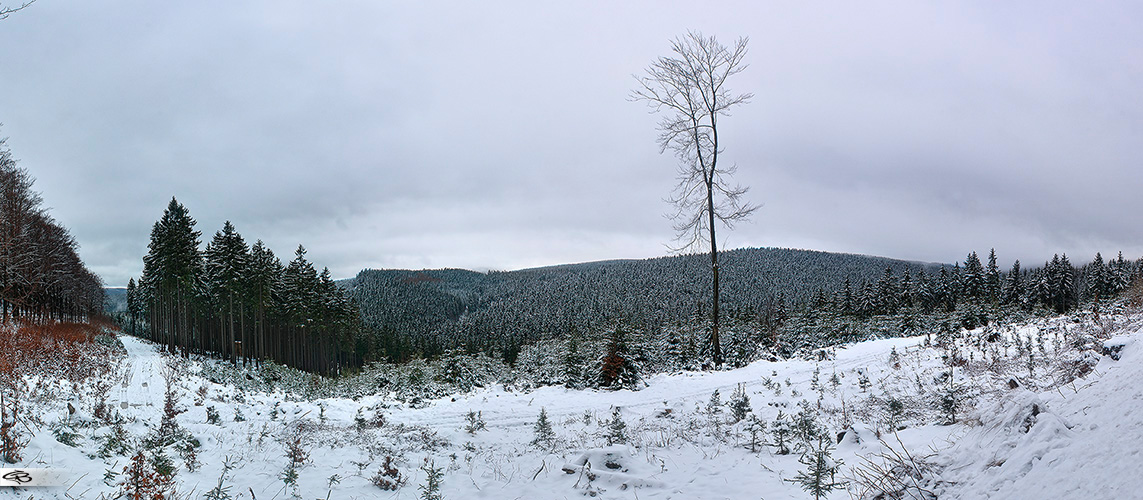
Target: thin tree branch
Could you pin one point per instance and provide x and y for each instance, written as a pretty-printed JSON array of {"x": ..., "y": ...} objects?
[{"x": 7, "y": 11}]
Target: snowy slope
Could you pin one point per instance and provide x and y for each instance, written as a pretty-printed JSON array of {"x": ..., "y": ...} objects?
[{"x": 1082, "y": 441}]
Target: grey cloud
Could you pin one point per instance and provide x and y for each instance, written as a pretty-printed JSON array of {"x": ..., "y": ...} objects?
[{"x": 499, "y": 135}]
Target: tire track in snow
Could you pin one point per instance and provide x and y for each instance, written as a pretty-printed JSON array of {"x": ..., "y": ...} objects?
[{"x": 141, "y": 392}]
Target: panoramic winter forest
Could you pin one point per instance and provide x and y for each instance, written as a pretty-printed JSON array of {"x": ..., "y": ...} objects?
[{"x": 637, "y": 251}]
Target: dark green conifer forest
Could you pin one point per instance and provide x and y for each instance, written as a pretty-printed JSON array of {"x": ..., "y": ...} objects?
[{"x": 239, "y": 301}]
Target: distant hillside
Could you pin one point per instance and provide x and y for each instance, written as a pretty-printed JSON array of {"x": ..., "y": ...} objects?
[
  {"x": 115, "y": 299},
  {"x": 436, "y": 309}
]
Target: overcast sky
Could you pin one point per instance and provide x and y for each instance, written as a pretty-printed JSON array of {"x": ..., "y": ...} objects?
[{"x": 500, "y": 135}]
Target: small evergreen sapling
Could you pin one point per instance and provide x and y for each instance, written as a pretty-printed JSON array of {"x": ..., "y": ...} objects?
[
  {"x": 617, "y": 368},
  {"x": 821, "y": 468},
  {"x": 863, "y": 381},
  {"x": 212, "y": 416},
  {"x": 431, "y": 490},
  {"x": 142, "y": 481},
  {"x": 739, "y": 403},
  {"x": 949, "y": 401},
  {"x": 163, "y": 464},
  {"x": 806, "y": 428},
  {"x": 544, "y": 435},
  {"x": 221, "y": 491},
  {"x": 616, "y": 429},
  {"x": 780, "y": 432},
  {"x": 573, "y": 362},
  {"x": 757, "y": 430},
  {"x": 296, "y": 456},
  {"x": 476, "y": 422},
  {"x": 894, "y": 413},
  {"x": 188, "y": 451},
  {"x": 359, "y": 418},
  {"x": 116, "y": 442},
  {"x": 388, "y": 477},
  {"x": 200, "y": 395},
  {"x": 714, "y": 406},
  {"x": 169, "y": 426}
]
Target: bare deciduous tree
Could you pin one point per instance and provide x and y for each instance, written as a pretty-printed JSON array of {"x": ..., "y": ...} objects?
[{"x": 689, "y": 88}]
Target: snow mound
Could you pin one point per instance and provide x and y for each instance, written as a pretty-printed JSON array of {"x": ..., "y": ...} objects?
[
  {"x": 1031, "y": 446},
  {"x": 1113, "y": 347},
  {"x": 614, "y": 466}
]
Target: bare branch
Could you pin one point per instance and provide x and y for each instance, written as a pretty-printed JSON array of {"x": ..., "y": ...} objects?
[
  {"x": 689, "y": 89},
  {"x": 7, "y": 11}
]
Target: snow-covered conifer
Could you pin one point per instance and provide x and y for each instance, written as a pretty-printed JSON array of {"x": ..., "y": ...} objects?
[
  {"x": 818, "y": 478},
  {"x": 739, "y": 403},
  {"x": 544, "y": 436},
  {"x": 616, "y": 429}
]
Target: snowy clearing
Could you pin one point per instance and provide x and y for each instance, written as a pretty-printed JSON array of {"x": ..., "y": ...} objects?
[{"x": 1023, "y": 429}]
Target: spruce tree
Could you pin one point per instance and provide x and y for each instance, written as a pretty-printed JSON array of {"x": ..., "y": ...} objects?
[
  {"x": 1061, "y": 284},
  {"x": 907, "y": 291},
  {"x": 434, "y": 475},
  {"x": 886, "y": 298},
  {"x": 1120, "y": 274},
  {"x": 972, "y": 281},
  {"x": 1099, "y": 281},
  {"x": 780, "y": 432},
  {"x": 1014, "y": 286},
  {"x": 947, "y": 290},
  {"x": 924, "y": 295},
  {"x": 757, "y": 429},
  {"x": 616, "y": 429},
  {"x": 133, "y": 305},
  {"x": 573, "y": 361},
  {"x": 992, "y": 279},
  {"x": 818, "y": 478},
  {"x": 617, "y": 368},
  {"x": 847, "y": 302},
  {"x": 714, "y": 405},
  {"x": 263, "y": 281},
  {"x": 171, "y": 272},
  {"x": 226, "y": 258},
  {"x": 739, "y": 403},
  {"x": 544, "y": 436}
]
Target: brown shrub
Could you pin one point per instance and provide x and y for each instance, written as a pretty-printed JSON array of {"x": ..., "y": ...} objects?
[{"x": 65, "y": 350}]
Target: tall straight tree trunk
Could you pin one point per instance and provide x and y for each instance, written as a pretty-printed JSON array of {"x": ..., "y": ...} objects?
[
  {"x": 230, "y": 327},
  {"x": 715, "y": 345},
  {"x": 242, "y": 330}
]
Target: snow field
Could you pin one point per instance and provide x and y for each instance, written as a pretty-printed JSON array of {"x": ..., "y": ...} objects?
[{"x": 1046, "y": 438}]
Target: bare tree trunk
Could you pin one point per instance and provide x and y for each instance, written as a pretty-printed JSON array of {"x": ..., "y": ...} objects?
[{"x": 715, "y": 345}]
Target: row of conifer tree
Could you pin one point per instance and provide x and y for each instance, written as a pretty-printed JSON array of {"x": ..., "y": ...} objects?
[
  {"x": 240, "y": 301},
  {"x": 1057, "y": 286}
]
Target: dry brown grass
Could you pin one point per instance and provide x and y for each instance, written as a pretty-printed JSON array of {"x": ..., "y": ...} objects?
[
  {"x": 1134, "y": 293},
  {"x": 65, "y": 350}
]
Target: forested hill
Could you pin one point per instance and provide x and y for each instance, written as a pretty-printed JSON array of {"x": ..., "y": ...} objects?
[{"x": 438, "y": 309}]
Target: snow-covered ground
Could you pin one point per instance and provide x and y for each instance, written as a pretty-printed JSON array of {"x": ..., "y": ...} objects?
[{"x": 1046, "y": 437}]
